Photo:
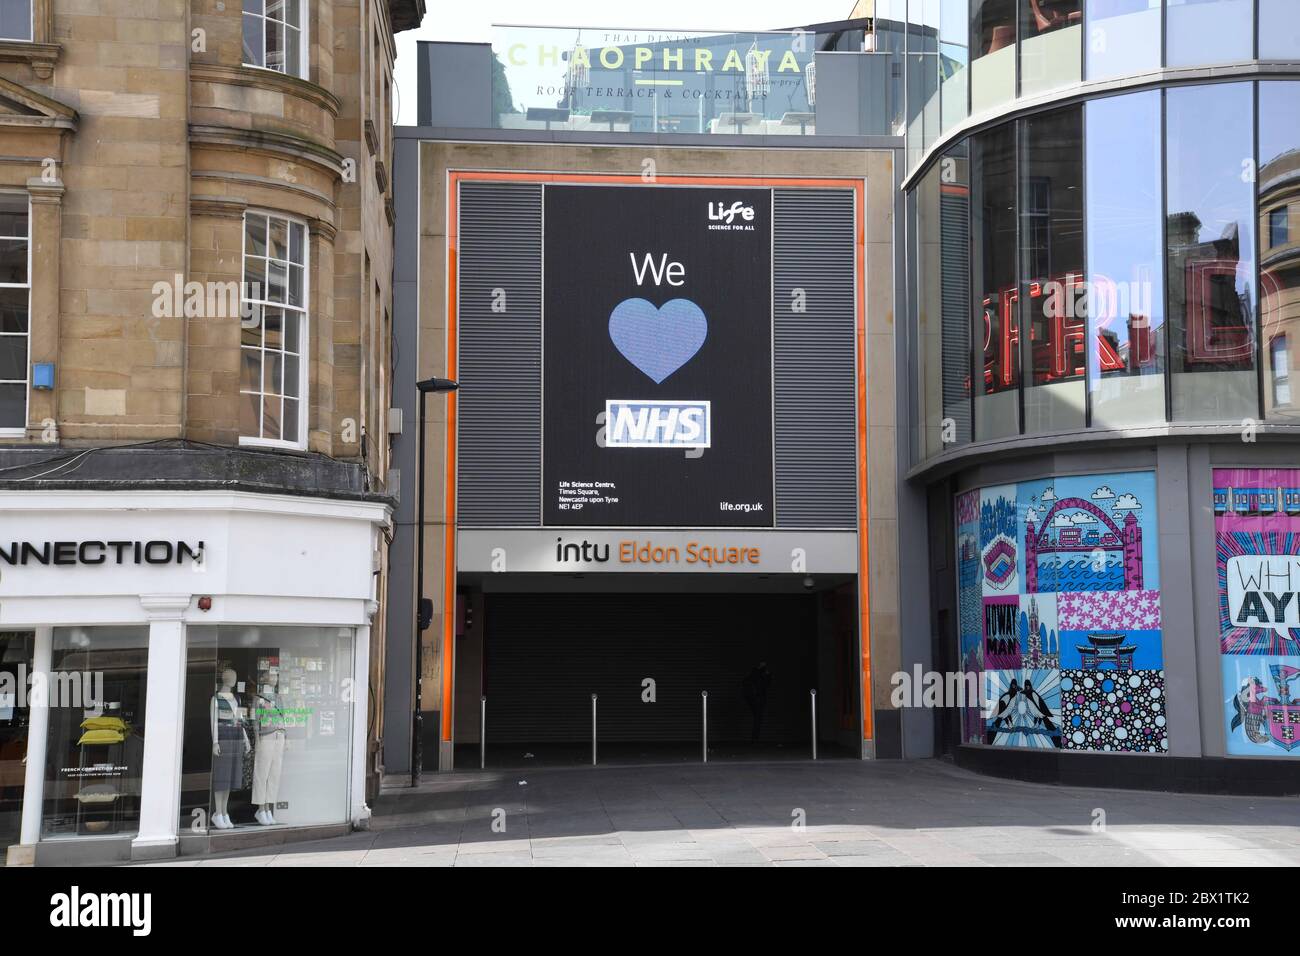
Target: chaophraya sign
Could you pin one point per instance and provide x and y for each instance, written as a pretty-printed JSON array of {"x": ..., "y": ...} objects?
[
  {"x": 618, "y": 80},
  {"x": 657, "y": 356}
]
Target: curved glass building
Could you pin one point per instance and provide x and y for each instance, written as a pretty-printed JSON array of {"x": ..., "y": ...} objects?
[{"x": 1103, "y": 281}]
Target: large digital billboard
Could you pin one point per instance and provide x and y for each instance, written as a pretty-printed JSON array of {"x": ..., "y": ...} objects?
[{"x": 657, "y": 356}]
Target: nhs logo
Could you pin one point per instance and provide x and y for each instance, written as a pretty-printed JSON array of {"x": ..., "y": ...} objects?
[{"x": 656, "y": 424}]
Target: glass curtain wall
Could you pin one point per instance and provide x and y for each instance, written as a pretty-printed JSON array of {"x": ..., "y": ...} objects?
[
  {"x": 1050, "y": 179},
  {"x": 1051, "y": 44},
  {"x": 954, "y": 60},
  {"x": 1123, "y": 37},
  {"x": 1279, "y": 30},
  {"x": 1210, "y": 251},
  {"x": 1209, "y": 31},
  {"x": 1279, "y": 265},
  {"x": 888, "y": 66},
  {"x": 1125, "y": 245},
  {"x": 993, "y": 54},
  {"x": 943, "y": 296},
  {"x": 955, "y": 278},
  {"x": 923, "y": 66},
  {"x": 993, "y": 272}
]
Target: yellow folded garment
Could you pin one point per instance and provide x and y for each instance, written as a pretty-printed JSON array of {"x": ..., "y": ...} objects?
[
  {"x": 103, "y": 723},
  {"x": 101, "y": 737}
]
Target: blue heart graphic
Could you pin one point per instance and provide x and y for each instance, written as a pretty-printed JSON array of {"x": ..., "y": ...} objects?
[{"x": 660, "y": 340}]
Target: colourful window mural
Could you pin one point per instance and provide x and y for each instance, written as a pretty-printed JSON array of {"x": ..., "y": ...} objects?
[
  {"x": 1059, "y": 613},
  {"x": 1257, "y": 532}
]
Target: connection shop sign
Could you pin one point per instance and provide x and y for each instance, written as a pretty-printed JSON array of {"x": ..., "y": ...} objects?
[{"x": 17, "y": 553}]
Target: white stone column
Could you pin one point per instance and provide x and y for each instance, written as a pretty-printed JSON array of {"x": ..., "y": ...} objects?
[
  {"x": 360, "y": 811},
  {"x": 38, "y": 734},
  {"x": 160, "y": 785}
]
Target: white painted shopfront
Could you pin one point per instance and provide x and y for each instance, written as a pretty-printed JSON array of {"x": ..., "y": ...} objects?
[{"x": 149, "y": 604}]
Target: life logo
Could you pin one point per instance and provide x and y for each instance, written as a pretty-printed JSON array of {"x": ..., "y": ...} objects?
[
  {"x": 631, "y": 423},
  {"x": 722, "y": 216}
]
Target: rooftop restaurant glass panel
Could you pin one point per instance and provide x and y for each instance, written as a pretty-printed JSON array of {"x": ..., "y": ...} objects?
[
  {"x": 793, "y": 83},
  {"x": 993, "y": 54},
  {"x": 1123, "y": 37},
  {"x": 1201, "y": 32},
  {"x": 924, "y": 68},
  {"x": 1051, "y": 44},
  {"x": 954, "y": 56},
  {"x": 1279, "y": 30}
]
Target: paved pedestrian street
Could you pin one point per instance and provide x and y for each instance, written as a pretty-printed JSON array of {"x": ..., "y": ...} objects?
[{"x": 831, "y": 813}]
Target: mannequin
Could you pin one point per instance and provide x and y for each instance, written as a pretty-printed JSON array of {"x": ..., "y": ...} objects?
[
  {"x": 270, "y": 748},
  {"x": 229, "y": 746}
]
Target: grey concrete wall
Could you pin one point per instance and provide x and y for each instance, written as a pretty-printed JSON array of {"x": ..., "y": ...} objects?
[
  {"x": 1179, "y": 570},
  {"x": 916, "y": 629},
  {"x": 399, "y": 652},
  {"x": 455, "y": 84},
  {"x": 849, "y": 100}
]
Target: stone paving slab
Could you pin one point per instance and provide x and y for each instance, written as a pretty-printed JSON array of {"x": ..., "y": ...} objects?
[{"x": 882, "y": 813}]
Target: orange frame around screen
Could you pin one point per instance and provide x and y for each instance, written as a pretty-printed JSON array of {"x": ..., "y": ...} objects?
[{"x": 454, "y": 179}]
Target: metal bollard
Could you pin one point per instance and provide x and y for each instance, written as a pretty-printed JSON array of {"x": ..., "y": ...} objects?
[
  {"x": 814, "y": 722},
  {"x": 593, "y": 730},
  {"x": 704, "y": 696},
  {"x": 482, "y": 733}
]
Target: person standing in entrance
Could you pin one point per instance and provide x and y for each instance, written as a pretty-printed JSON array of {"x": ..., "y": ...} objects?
[{"x": 754, "y": 688}]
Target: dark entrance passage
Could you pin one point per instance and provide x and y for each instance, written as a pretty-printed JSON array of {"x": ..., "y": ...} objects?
[{"x": 648, "y": 657}]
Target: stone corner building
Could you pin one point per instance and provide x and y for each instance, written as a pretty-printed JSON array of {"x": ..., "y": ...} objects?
[{"x": 196, "y": 229}]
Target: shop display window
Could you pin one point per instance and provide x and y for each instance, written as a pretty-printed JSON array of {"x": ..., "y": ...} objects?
[
  {"x": 95, "y": 751},
  {"x": 268, "y": 727},
  {"x": 15, "y": 670}
]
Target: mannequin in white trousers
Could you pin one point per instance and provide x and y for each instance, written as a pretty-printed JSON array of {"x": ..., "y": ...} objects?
[{"x": 268, "y": 759}]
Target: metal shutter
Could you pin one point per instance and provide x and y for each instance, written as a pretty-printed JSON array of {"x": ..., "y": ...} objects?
[
  {"x": 814, "y": 397},
  {"x": 546, "y": 654},
  {"x": 499, "y": 404}
]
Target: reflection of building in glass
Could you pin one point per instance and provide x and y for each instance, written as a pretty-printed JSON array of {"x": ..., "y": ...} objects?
[
  {"x": 1203, "y": 276},
  {"x": 1279, "y": 208}
]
